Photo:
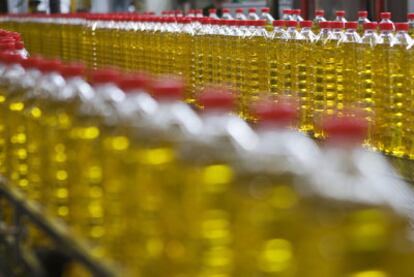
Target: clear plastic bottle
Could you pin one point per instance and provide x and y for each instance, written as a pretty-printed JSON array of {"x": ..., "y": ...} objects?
[
  {"x": 226, "y": 14},
  {"x": 340, "y": 16},
  {"x": 335, "y": 101},
  {"x": 383, "y": 67},
  {"x": 240, "y": 14},
  {"x": 410, "y": 18},
  {"x": 386, "y": 18},
  {"x": 289, "y": 59},
  {"x": 396, "y": 106},
  {"x": 362, "y": 19},
  {"x": 213, "y": 13},
  {"x": 366, "y": 80},
  {"x": 287, "y": 14},
  {"x": 252, "y": 14},
  {"x": 268, "y": 17},
  {"x": 296, "y": 14},
  {"x": 319, "y": 17},
  {"x": 350, "y": 45},
  {"x": 254, "y": 64},
  {"x": 306, "y": 75},
  {"x": 277, "y": 46}
]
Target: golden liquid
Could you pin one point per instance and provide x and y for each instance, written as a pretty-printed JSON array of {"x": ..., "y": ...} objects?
[
  {"x": 350, "y": 83},
  {"x": 366, "y": 87},
  {"x": 216, "y": 43},
  {"x": 276, "y": 47},
  {"x": 288, "y": 67},
  {"x": 66, "y": 37},
  {"x": 184, "y": 62},
  {"x": 325, "y": 95},
  {"x": 207, "y": 42},
  {"x": 306, "y": 82},
  {"x": 254, "y": 72},
  {"x": 3, "y": 133}
]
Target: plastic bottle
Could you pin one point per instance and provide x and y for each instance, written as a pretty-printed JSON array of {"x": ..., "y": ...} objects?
[
  {"x": 395, "y": 111},
  {"x": 319, "y": 17},
  {"x": 410, "y": 17},
  {"x": 85, "y": 161},
  {"x": 383, "y": 68},
  {"x": 254, "y": 64},
  {"x": 362, "y": 19},
  {"x": 340, "y": 16},
  {"x": 277, "y": 42},
  {"x": 240, "y": 14},
  {"x": 296, "y": 14},
  {"x": 226, "y": 14},
  {"x": 287, "y": 14},
  {"x": 367, "y": 87},
  {"x": 350, "y": 45},
  {"x": 213, "y": 14},
  {"x": 268, "y": 17},
  {"x": 289, "y": 59},
  {"x": 386, "y": 18},
  {"x": 252, "y": 15},
  {"x": 368, "y": 194},
  {"x": 306, "y": 75}
]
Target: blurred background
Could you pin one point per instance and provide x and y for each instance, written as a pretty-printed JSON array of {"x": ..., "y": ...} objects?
[{"x": 399, "y": 8}]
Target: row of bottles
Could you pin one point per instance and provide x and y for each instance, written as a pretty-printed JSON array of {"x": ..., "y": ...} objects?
[{"x": 162, "y": 189}]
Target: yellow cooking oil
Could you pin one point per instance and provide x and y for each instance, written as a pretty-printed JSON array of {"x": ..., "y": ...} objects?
[
  {"x": 382, "y": 66},
  {"x": 217, "y": 39},
  {"x": 277, "y": 44},
  {"x": 366, "y": 86},
  {"x": 254, "y": 66},
  {"x": 207, "y": 42},
  {"x": 349, "y": 48},
  {"x": 395, "y": 141},
  {"x": 325, "y": 80},
  {"x": 3, "y": 131},
  {"x": 289, "y": 60},
  {"x": 88, "y": 49},
  {"x": 306, "y": 76},
  {"x": 65, "y": 37}
]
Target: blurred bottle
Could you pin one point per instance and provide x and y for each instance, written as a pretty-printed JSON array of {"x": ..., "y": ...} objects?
[
  {"x": 287, "y": 15},
  {"x": 252, "y": 15},
  {"x": 268, "y": 17},
  {"x": 296, "y": 14},
  {"x": 240, "y": 14},
  {"x": 319, "y": 17},
  {"x": 386, "y": 18},
  {"x": 340, "y": 16},
  {"x": 226, "y": 14},
  {"x": 213, "y": 14},
  {"x": 306, "y": 75},
  {"x": 362, "y": 19},
  {"x": 410, "y": 17},
  {"x": 350, "y": 45}
]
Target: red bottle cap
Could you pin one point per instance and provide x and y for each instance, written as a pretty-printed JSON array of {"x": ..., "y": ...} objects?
[
  {"x": 385, "y": 15},
  {"x": 386, "y": 26},
  {"x": 279, "y": 23},
  {"x": 19, "y": 45},
  {"x": 31, "y": 62},
  {"x": 351, "y": 25},
  {"x": 268, "y": 112},
  {"x": 213, "y": 98},
  {"x": 337, "y": 25},
  {"x": 296, "y": 12},
  {"x": 102, "y": 76},
  {"x": 11, "y": 58},
  {"x": 265, "y": 10},
  {"x": 226, "y": 10},
  {"x": 401, "y": 26},
  {"x": 239, "y": 10},
  {"x": 362, "y": 13},
  {"x": 340, "y": 13},
  {"x": 7, "y": 46},
  {"x": 410, "y": 16},
  {"x": 370, "y": 26},
  {"x": 252, "y": 10},
  {"x": 131, "y": 82},
  {"x": 346, "y": 129},
  {"x": 50, "y": 66},
  {"x": 171, "y": 88},
  {"x": 325, "y": 24},
  {"x": 319, "y": 12},
  {"x": 73, "y": 70},
  {"x": 305, "y": 24},
  {"x": 288, "y": 12},
  {"x": 212, "y": 10},
  {"x": 291, "y": 23}
]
